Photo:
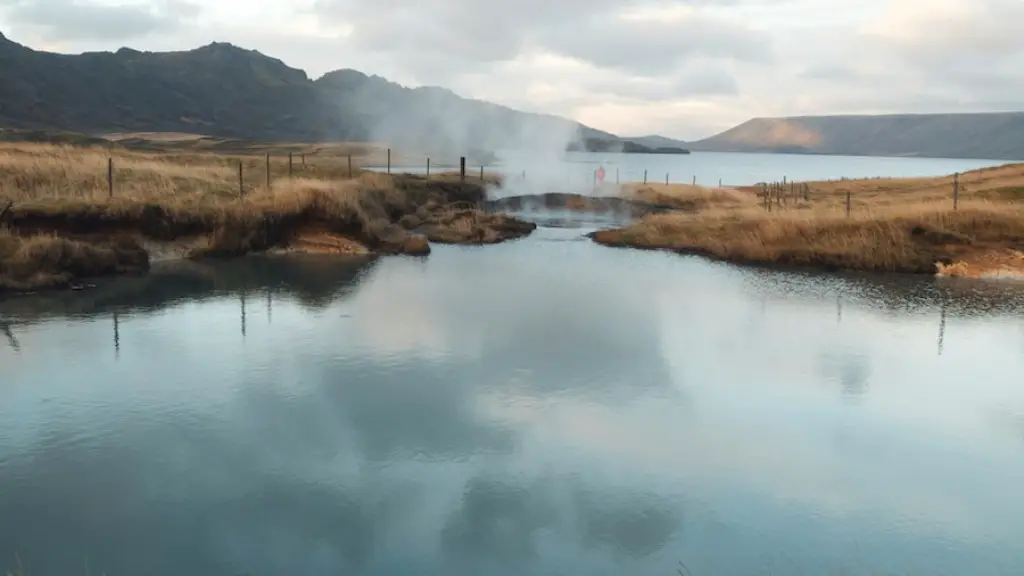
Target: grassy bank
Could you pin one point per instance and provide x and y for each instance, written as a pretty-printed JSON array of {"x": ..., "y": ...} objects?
[
  {"x": 62, "y": 200},
  {"x": 905, "y": 225}
]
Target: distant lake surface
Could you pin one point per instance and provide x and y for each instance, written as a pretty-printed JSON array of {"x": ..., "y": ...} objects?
[
  {"x": 575, "y": 171},
  {"x": 545, "y": 407}
]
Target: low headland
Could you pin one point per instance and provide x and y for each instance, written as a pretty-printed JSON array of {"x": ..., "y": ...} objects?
[
  {"x": 910, "y": 225},
  {"x": 71, "y": 213}
]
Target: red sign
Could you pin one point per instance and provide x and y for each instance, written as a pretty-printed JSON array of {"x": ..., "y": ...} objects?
[{"x": 600, "y": 174}]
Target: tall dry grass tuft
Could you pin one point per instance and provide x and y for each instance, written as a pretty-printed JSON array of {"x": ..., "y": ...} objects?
[{"x": 46, "y": 260}]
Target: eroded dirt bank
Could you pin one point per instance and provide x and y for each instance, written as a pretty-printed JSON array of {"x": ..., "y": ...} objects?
[{"x": 54, "y": 244}]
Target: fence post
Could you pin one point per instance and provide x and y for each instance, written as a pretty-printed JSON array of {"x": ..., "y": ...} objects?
[
  {"x": 956, "y": 191},
  {"x": 389, "y": 160},
  {"x": 719, "y": 182},
  {"x": 694, "y": 179},
  {"x": 848, "y": 204},
  {"x": 807, "y": 192},
  {"x": 428, "y": 167},
  {"x": 666, "y": 178},
  {"x": 349, "y": 165},
  {"x": 481, "y": 173},
  {"x": 110, "y": 176},
  {"x": 289, "y": 164},
  {"x": 241, "y": 184},
  {"x": 303, "y": 160},
  {"x": 645, "y": 177},
  {"x": 616, "y": 175},
  {"x": 462, "y": 169},
  {"x": 268, "y": 171}
]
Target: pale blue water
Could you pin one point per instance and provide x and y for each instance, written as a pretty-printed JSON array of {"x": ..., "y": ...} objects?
[
  {"x": 546, "y": 406},
  {"x": 575, "y": 172}
]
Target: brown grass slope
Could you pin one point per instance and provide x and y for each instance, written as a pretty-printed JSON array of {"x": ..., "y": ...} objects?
[
  {"x": 61, "y": 200},
  {"x": 894, "y": 225}
]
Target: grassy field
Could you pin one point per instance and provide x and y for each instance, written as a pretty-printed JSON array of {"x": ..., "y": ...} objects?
[
  {"x": 66, "y": 222},
  {"x": 894, "y": 225}
]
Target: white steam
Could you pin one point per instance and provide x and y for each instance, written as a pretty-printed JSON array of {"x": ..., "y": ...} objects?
[{"x": 528, "y": 149}]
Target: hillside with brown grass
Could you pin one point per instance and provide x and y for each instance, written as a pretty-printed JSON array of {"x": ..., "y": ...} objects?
[
  {"x": 893, "y": 225},
  {"x": 996, "y": 135},
  {"x": 65, "y": 219}
]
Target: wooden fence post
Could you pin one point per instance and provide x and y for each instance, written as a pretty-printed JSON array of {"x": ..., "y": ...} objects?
[
  {"x": 268, "y": 171},
  {"x": 428, "y": 167},
  {"x": 462, "y": 169},
  {"x": 389, "y": 160},
  {"x": 241, "y": 184},
  {"x": 694, "y": 179},
  {"x": 848, "y": 204},
  {"x": 303, "y": 160},
  {"x": 481, "y": 173},
  {"x": 616, "y": 175},
  {"x": 110, "y": 176},
  {"x": 666, "y": 178},
  {"x": 956, "y": 191},
  {"x": 645, "y": 177},
  {"x": 719, "y": 182},
  {"x": 289, "y": 164}
]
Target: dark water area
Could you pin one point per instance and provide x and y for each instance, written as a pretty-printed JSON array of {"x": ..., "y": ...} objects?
[{"x": 544, "y": 406}]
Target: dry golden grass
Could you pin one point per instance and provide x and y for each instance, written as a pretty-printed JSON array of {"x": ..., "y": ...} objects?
[
  {"x": 47, "y": 172},
  {"x": 911, "y": 238},
  {"x": 185, "y": 196},
  {"x": 688, "y": 197},
  {"x": 46, "y": 260},
  {"x": 906, "y": 225},
  {"x": 999, "y": 183}
]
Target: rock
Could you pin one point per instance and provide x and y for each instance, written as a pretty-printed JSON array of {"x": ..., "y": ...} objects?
[{"x": 416, "y": 244}]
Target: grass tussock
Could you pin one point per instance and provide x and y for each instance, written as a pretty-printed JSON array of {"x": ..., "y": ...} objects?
[
  {"x": 913, "y": 238},
  {"x": 46, "y": 261}
]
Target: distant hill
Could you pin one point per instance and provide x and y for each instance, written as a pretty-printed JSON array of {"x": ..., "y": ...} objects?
[
  {"x": 223, "y": 90},
  {"x": 655, "y": 141},
  {"x": 621, "y": 146},
  {"x": 997, "y": 135}
]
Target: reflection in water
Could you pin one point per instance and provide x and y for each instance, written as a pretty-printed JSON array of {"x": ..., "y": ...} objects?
[
  {"x": 545, "y": 407},
  {"x": 5, "y": 327}
]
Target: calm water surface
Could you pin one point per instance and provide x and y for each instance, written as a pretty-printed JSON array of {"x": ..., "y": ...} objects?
[
  {"x": 575, "y": 172},
  {"x": 546, "y": 406}
]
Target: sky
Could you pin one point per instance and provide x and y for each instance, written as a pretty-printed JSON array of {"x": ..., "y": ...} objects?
[{"x": 685, "y": 69}]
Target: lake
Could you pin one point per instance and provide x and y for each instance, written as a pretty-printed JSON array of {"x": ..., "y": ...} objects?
[
  {"x": 574, "y": 172},
  {"x": 545, "y": 406}
]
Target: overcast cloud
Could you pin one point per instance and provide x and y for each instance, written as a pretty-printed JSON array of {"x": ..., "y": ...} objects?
[{"x": 686, "y": 68}]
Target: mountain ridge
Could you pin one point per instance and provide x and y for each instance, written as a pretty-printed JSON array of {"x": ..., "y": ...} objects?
[{"x": 224, "y": 90}]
